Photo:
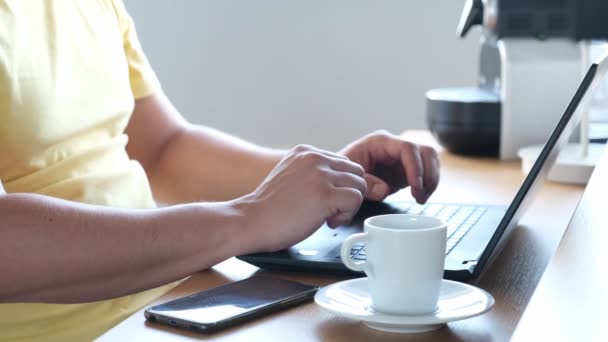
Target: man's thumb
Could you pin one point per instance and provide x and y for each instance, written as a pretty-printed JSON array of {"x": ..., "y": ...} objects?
[{"x": 377, "y": 189}]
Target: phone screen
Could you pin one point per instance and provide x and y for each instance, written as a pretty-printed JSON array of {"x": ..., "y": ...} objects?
[{"x": 232, "y": 300}]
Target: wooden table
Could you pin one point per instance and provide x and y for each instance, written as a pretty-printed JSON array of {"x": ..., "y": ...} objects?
[
  {"x": 571, "y": 299},
  {"x": 511, "y": 279}
]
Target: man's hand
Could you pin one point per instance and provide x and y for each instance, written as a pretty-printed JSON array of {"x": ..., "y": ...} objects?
[
  {"x": 390, "y": 163},
  {"x": 308, "y": 187}
]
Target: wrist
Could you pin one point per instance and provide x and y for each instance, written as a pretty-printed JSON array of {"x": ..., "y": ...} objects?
[
  {"x": 201, "y": 234},
  {"x": 272, "y": 159},
  {"x": 246, "y": 237}
]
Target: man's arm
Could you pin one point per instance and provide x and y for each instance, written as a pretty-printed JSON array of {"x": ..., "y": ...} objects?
[
  {"x": 56, "y": 251},
  {"x": 188, "y": 163},
  {"x": 65, "y": 252}
]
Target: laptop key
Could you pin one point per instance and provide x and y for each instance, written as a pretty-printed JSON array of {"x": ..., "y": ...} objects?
[
  {"x": 446, "y": 217},
  {"x": 453, "y": 240},
  {"x": 403, "y": 206},
  {"x": 459, "y": 234},
  {"x": 416, "y": 209},
  {"x": 466, "y": 226},
  {"x": 467, "y": 210},
  {"x": 456, "y": 223},
  {"x": 433, "y": 209},
  {"x": 451, "y": 209}
]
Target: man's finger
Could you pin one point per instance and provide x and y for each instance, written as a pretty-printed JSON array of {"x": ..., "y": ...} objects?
[
  {"x": 349, "y": 180},
  {"x": 414, "y": 169},
  {"x": 309, "y": 148},
  {"x": 377, "y": 189},
  {"x": 431, "y": 170},
  {"x": 345, "y": 165},
  {"x": 328, "y": 153},
  {"x": 346, "y": 202}
]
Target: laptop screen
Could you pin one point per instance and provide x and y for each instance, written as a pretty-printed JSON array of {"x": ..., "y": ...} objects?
[{"x": 563, "y": 131}]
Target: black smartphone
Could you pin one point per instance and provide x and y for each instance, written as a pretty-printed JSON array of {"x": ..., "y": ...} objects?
[{"x": 228, "y": 305}]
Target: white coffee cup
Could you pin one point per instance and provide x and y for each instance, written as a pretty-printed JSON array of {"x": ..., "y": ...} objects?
[{"x": 405, "y": 257}]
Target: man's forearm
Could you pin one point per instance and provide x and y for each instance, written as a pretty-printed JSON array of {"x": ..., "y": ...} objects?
[
  {"x": 202, "y": 164},
  {"x": 63, "y": 252}
]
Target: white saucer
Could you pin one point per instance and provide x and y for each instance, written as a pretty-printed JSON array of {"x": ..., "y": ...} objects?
[{"x": 351, "y": 299}]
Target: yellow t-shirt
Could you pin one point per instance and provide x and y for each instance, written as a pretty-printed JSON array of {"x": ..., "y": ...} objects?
[{"x": 69, "y": 73}]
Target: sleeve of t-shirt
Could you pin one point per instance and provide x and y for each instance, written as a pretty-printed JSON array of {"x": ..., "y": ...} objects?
[{"x": 141, "y": 75}]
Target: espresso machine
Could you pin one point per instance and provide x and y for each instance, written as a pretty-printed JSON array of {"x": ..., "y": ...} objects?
[{"x": 533, "y": 55}]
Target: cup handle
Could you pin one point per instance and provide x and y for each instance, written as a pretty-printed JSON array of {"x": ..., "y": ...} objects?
[{"x": 345, "y": 252}]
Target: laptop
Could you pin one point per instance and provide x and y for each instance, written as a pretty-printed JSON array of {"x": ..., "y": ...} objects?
[{"x": 476, "y": 233}]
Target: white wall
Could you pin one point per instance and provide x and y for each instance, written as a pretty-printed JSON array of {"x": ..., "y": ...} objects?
[{"x": 282, "y": 72}]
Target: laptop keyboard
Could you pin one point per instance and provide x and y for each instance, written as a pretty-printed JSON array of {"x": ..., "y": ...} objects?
[{"x": 460, "y": 220}]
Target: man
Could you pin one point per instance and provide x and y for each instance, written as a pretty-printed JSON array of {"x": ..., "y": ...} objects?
[{"x": 82, "y": 244}]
